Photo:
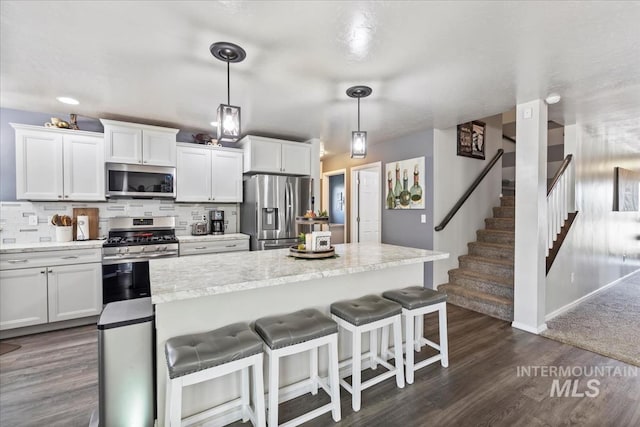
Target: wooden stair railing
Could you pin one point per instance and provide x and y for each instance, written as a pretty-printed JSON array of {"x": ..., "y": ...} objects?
[{"x": 470, "y": 190}]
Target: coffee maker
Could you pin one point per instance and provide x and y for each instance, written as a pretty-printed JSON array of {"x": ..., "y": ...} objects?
[{"x": 217, "y": 222}]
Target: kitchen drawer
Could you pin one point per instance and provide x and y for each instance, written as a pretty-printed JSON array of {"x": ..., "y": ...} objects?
[
  {"x": 198, "y": 248},
  {"x": 49, "y": 258}
]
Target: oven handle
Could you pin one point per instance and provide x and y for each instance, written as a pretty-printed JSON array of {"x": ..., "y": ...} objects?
[{"x": 123, "y": 260}]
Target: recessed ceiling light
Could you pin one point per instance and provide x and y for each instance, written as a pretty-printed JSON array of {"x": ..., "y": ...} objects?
[
  {"x": 553, "y": 98},
  {"x": 68, "y": 100}
]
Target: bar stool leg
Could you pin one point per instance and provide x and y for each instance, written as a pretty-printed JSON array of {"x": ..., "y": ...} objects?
[
  {"x": 409, "y": 341},
  {"x": 175, "y": 411},
  {"x": 384, "y": 343},
  {"x": 355, "y": 374},
  {"x": 397, "y": 338},
  {"x": 258, "y": 393},
  {"x": 419, "y": 328},
  {"x": 313, "y": 370},
  {"x": 167, "y": 402},
  {"x": 334, "y": 379},
  {"x": 444, "y": 342},
  {"x": 244, "y": 394},
  {"x": 274, "y": 365},
  {"x": 373, "y": 348}
]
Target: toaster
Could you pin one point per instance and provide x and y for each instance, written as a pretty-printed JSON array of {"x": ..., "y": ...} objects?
[{"x": 199, "y": 229}]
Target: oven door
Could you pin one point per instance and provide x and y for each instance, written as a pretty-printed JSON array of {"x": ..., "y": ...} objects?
[{"x": 126, "y": 280}]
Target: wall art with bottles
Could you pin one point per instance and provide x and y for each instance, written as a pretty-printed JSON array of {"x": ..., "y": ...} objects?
[{"x": 405, "y": 184}]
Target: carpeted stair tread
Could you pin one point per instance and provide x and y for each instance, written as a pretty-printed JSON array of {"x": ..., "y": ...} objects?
[
  {"x": 497, "y": 280},
  {"x": 485, "y": 260},
  {"x": 500, "y": 223},
  {"x": 491, "y": 305},
  {"x": 504, "y": 212},
  {"x": 491, "y": 250},
  {"x": 508, "y": 201},
  {"x": 494, "y": 236}
]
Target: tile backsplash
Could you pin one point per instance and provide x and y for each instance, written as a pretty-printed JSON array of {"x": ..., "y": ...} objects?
[{"x": 15, "y": 226}]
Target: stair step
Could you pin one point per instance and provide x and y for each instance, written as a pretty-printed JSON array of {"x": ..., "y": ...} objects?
[
  {"x": 491, "y": 266},
  {"x": 508, "y": 201},
  {"x": 491, "y": 250},
  {"x": 499, "y": 307},
  {"x": 487, "y": 283},
  {"x": 496, "y": 236},
  {"x": 504, "y": 212},
  {"x": 508, "y": 224}
]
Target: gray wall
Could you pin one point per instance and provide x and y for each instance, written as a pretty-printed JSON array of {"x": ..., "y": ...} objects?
[
  {"x": 602, "y": 245},
  {"x": 399, "y": 227},
  {"x": 7, "y": 141}
]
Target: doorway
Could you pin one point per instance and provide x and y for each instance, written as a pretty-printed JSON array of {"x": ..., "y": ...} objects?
[
  {"x": 334, "y": 201},
  {"x": 366, "y": 202}
]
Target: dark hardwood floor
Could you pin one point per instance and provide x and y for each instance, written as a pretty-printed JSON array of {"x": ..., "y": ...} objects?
[{"x": 52, "y": 381}]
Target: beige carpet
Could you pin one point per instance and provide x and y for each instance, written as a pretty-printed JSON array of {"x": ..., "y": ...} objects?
[{"x": 607, "y": 323}]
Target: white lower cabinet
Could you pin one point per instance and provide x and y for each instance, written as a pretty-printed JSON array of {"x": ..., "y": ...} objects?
[
  {"x": 49, "y": 293},
  {"x": 23, "y": 297},
  {"x": 74, "y": 291}
]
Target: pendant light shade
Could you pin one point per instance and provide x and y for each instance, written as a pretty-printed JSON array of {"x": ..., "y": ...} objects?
[
  {"x": 228, "y": 116},
  {"x": 359, "y": 138}
]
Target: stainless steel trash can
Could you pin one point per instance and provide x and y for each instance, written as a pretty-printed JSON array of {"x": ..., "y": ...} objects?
[{"x": 126, "y": 364}]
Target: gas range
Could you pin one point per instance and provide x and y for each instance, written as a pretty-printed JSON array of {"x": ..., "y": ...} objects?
[{"x": 139, "y": 239}]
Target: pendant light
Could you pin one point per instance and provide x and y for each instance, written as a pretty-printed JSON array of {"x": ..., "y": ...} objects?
[
  {"x": 228, "y": 116},
  {"x": 359, "y": 138}
]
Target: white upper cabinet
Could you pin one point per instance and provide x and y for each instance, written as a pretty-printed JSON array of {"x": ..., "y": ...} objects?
[
  {"x": 139, "y": 144},
  {"x": 208, "y": 174},
  {"x": 57, "y": 164},
  {"x": 269, "y": 155}
]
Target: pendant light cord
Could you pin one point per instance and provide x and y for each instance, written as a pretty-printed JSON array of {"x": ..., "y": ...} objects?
[
  {"x": 358, "y": 114},
  {"x": 228, "y": 85}
]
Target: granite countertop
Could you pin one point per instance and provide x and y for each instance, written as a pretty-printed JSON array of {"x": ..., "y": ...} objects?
[
  {"x": 15, "y": 248},
  {"x": 174, "y": 279},
  {"x": 213, "y": 237}
]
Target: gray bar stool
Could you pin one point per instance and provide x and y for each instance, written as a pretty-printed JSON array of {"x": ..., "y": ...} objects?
[
  {"x": 192, "y": 359},
  {"x": 304, "y": 330},
  {"x": 417, "y": 301},
  {"x": 368, "y": 314}
]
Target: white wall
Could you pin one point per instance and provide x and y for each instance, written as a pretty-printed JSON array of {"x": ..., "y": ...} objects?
[
  {"x": 602, "y": 245},
  {"x": 453, "y": 174}
]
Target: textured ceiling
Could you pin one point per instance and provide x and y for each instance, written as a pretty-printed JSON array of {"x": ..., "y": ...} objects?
[{"x": 430, "y": 64}]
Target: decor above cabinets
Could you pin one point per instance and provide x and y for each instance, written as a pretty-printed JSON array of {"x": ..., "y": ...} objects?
[
  {"x": 58, "y": 164},
  {"x": 139, "y": 144},
  {"x": 270, "y": 155},
  {"x": 208, "y": 174}
]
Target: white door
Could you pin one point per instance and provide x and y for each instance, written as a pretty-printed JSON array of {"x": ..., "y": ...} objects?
[
  {"x": 158, "y": 148},
  {"x": 83, "y": 167},
  {"x": 74, "y": 291},
  {"x": 296, "y": 159},
  {"x": 123, "y": 144},
  {"x": 38, "y": 165},
  {"x": 23, "y": 297},
  {"x": 193, "y": 174},
  {"x": 366, "y": 204},
  {"x": 226, "y": 177}
]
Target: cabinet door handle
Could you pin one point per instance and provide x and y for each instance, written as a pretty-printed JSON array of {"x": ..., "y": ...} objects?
[
  {"x": 231, "y": 246},
  {"x": 66, "y": 196},
  {"x": 70, "y": 257},
  {"x": 50, "y": 270},
  {"x": 17, "y": 261},
  {"x": 59, "y": 196},
  {"x": 42, "y": 272},
  {"x": 200, "y": 247}
]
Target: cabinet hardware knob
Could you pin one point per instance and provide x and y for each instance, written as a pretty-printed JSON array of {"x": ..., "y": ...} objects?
[
  {"x": 66, "y": 196},
  {"x": 42, "y": 272},
  {"x": 59, "y": 196},
  {"x": 50, "y": 270},
  {"x": 145, "y": 162}
]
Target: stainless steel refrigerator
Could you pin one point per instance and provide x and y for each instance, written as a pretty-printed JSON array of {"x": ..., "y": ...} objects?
[{"x": 271, "y": 204}]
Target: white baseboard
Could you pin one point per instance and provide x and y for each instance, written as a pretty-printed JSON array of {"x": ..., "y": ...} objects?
[
  {"x": 531, "y": 329},
  {"x": 581, "y": 299}
]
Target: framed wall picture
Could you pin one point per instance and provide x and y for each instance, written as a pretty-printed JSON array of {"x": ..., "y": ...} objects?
[
  {"x": 626, "y": 193},
  {"x": 471, "y": 139},
  {"x": 405, "y": 184}
]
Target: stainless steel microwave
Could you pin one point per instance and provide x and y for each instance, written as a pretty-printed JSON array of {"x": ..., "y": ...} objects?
[{"x": 125, "y": 180}]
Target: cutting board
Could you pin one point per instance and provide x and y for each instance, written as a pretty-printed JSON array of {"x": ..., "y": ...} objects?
[{"x": 93, "y": 215}]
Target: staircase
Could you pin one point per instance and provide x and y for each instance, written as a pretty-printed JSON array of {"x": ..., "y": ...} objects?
[{"x": 484, "y": 281}]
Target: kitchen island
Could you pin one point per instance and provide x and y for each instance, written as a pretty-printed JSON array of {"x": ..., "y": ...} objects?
[{"x": 204, "y": 292}]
